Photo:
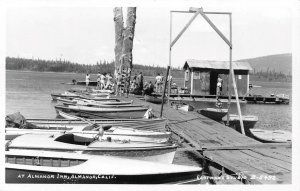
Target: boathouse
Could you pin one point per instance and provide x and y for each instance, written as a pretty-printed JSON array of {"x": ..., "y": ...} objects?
[{"x": 201, "y": 77}]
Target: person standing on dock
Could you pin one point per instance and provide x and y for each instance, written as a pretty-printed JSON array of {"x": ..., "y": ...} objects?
[
  {"x": 219, "y": 85},
  {"x": 109, "y": 81},
  {"x": 87, "y": 80},
  {"x": 98, "y": 81},
  {"x": 158, "y": 82},
  {"x": 140, "y": 81},
  {"x": 119, "y": 80},
  {"x": 102, "y": 81}
]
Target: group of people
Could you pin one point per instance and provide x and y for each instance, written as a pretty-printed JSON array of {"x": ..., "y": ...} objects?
[
  {"x": 104, "y": 81},
  {"x": 122, "y": 84}
]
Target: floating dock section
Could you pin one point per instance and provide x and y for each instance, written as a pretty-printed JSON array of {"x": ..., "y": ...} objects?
[{"x": 232, "y": 154}]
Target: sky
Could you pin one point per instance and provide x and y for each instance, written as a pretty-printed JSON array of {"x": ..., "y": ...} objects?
[{"x": 85, "y": 34}]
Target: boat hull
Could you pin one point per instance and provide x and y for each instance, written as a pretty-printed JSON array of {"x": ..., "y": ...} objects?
[
  {"x": 71, "y": 122},
  {"x": 15, "y": 176},
  {"x": 132, "y": 113},
  {"x": 60, "y": 167},
  {"x": 153, "y": 99},
  {"x": 248, "y": 121},
  {"x": 88, "y": 136},
  {"x": 214, "y": 114},
  {"x": 269, "y": 136}
]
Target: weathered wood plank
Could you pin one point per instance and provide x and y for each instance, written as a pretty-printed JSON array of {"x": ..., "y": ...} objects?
[{"x": 287, "y": 165}]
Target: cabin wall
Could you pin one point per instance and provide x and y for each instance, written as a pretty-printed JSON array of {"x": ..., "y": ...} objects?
[
  {"x": 242, "y": 83},
  {"x": 204, "y": 81}
]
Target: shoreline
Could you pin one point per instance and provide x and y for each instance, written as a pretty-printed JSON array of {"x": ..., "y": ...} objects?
[{"x": 49, "y": 72}]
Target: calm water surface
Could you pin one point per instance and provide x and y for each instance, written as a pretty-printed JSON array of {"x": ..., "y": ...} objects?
[{"x": 29, "y": 93}]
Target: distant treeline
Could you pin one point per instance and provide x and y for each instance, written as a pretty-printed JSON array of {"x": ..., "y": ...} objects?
[
  {"x": 270, "y": 75},
  {"x": 67, "y": 66},
  {"x": 109, "y": 66}
]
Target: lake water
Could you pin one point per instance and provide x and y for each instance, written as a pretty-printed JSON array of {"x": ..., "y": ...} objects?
[{"x": 29, "y": 93}]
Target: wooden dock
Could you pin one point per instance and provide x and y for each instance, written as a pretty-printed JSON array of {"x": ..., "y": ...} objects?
[
  {"x": 254, "y": 99},
  {"x": 226, "y": 150}
]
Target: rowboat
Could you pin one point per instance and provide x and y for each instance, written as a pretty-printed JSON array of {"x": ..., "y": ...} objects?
[
  {"x": 63, "y": 95},
  {"x": 271, "y": 136},
  {"x": 77, "y": 101},
  {"x": 44, "y": 167},
  {"x": 88, "y": 133},
  {"x": 154, "y": 99},
  {"x": 72, "y": 142},
  {"x": 182, "y": 106},
  {"x": 107, "y": 113},
  {"x": 249, "y": 122},
  {"x": 213, "y": 113},
  {"x": 155, "y": 124},
  {"x": 98, "y": 97}
]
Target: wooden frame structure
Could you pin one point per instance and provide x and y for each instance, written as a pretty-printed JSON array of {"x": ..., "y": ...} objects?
[{"x": 196, "y": 12}]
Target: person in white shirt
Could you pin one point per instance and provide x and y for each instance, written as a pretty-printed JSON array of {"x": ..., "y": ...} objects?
[
  {"x": 102, "y": 81},
  {"x": 87, "y": 80},
  {"x": 98, "y": 81},
  {"x": 219, "y": 86},
  {"x": 158, "y": 83},
  {"x": 109, "y": 81}
]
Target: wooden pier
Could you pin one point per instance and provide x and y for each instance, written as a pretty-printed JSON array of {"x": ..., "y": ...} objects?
[
  {"x": 254, "y": 99},
  {"x": 231, "y": 154}
]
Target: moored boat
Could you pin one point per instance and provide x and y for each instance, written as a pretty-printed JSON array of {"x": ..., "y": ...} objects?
[
  {"x": 17, "y": 120},
  {"x": 89, "y": 133},
  {"x": 249, "y": 122},
  {"x": 108, "y": 113},
  {"x": 154, "y": 99},
  {"x": 78, "y": 101},
  {"x": 98, "y": 96},
  {"x": 44, "y": 167},
  {"x": 271, "y": 136},
  {"x": 213, "y": 113},
  {"x": 72, "y": 142}
]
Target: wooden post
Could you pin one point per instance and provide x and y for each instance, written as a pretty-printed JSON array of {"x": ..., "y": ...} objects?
[
  {"x": 229, "y": 75},
  {"x": 170, "y": 57},
  {"x": 234, "y": 85},
  {"x": 163, "y": 95},
  {"x": 184, "y": 28},
  {"x": 118, "y": 19}
]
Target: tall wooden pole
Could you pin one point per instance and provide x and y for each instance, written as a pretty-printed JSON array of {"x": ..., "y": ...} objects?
[
  {"x": 229, "y": 75},
  {"x": 163, "y": 96},
  {"x": 118, "y": 18},
  {"x": 234, "y": 84},
  {"x": 170, "y": 57}
]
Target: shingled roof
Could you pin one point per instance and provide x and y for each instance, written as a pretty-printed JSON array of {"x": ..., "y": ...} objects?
[{"x": 210, "y": 64}]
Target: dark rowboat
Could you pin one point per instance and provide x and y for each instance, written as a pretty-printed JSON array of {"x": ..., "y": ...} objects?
[
  {"x": 248, "y": 120},
  {"x": 154, "y": 99},
  {"x": 37, "y": 167},
  {"x": 213, "y": 113}
]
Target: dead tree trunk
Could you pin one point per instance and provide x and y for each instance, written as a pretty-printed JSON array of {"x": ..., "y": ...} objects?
[
  {"x": 128, "y": 35},
  {"x": 118, "y": 18}
]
